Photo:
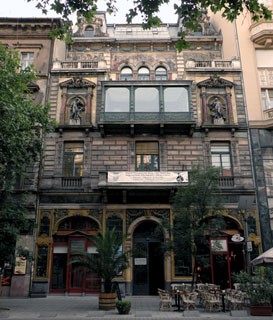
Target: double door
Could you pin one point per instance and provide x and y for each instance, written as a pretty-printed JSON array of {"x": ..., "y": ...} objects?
[{"x": 148, "y": 267}]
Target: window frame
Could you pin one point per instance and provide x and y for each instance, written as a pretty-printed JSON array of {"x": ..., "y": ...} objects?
[
  {"x": 126, "y": 76},
  {"x": 221, "y": 155},
  {"x": 68, "y": 153},
  {"x": 160, "y": 75},
  {"x": 154, "y": 161},
  {"x": 29, "y": 61},
  {"x": 132, "y": 86},
  {"x": 267, "y": 99},
  {"x": 143, "y": 76}
]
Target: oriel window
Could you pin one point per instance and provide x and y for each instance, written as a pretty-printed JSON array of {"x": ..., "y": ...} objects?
[
  {"x": 147, "y": 156},
  {"x": 73, "y": 159}
]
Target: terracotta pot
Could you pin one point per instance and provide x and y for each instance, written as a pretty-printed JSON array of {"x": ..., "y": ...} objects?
[
  {"x": 261, "y": 310},
  {"x": 107, "y": 301}
]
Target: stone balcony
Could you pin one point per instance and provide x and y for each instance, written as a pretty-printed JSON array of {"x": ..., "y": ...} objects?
[
  {"x": 194, "y": 65},
  {"x": 79, "y": 65},
  {"x": 262, "y": 33}
]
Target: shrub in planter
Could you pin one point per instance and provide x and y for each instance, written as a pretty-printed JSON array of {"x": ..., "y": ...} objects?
[
  {"x": 123, "y": 307},
  {"x": 258, "y": 289}
]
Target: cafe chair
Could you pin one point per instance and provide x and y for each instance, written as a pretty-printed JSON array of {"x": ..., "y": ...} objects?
[{"x": 165, "y": 299}]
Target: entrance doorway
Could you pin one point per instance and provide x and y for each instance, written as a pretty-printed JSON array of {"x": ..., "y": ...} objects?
[
  {"x": 74, "y": 235},
  {"x": 148, "y": 259}
]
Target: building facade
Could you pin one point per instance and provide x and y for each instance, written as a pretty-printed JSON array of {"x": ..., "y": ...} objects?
[
  {"x": 134, "y": 116},
  {"x": 31, "y": 38},
  {"x": 252, "y": 42}
]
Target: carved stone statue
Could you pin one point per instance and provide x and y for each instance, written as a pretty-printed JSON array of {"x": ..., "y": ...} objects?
[
  {"x": 217, "y": 111},
  {"x": 75, "y": 110}
]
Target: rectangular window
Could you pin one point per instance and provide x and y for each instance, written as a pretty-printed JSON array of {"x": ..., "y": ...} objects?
[
  {"x": 176, "y": 100},
  {"x": 147, "y": 156},
  {"x": 73, "y": 159},
  {"x": 220, "y": 158},
  {"x": 117, "y": 100},
  {"x": 27, "y": 59},
  {"x": 267, "y": 99},
  {"x": 267, "y": 154},
  {"x": 146, "y": 100}
]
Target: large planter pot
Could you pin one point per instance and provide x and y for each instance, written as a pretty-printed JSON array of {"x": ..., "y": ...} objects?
[
  {"x": 107, "y": 301},
  {"x": 261, "y": 310}
]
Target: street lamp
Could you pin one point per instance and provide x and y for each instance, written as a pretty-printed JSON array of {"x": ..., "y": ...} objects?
[{"x": 245, "y": 203}]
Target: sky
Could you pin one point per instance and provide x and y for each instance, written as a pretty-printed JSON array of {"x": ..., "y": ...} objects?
[{"x": 22, "y": 8}]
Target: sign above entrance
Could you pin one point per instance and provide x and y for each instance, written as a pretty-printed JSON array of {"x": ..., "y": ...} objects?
[{"x": 147, "y": 177}]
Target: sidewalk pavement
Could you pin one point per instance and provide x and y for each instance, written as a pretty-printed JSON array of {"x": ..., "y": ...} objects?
[{"x": 86, "y": 307}]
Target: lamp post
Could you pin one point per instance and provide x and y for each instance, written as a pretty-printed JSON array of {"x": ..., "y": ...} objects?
[{"x": 245, "y": 203}]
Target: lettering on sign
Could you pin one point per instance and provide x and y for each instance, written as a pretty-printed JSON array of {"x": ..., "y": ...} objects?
[
  {"x": 151, "y": 177},
  {"x": 140, "y": 261}
]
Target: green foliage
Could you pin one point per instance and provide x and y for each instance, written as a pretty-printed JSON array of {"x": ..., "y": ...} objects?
[
  {"x": 21, "y": 126},
  {"x": 123, "y": 307},
  {"x": 258, "y": 287},
  {"x": 192, "y": 204},
  {"x": 109, "y": 260},
  {"x": 190, "y": 11}
]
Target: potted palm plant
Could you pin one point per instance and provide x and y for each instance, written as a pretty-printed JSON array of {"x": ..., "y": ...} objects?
[
  {"x": 259, "y": 291},
  {"x": 107, "y": 263}
]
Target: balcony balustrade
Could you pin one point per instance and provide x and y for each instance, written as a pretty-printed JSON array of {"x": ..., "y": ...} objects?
[
  {"x": 226, "y": 182},
  {"x": 71, "y": 182},
  {"x": 213, "y": 64},
  {"x": 68, "y": 65}
]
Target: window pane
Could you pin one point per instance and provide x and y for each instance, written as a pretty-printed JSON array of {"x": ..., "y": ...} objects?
[
  {"x": 126, "y": 74},
  {"x": 146, "y": 100},
  {"x": 147, "y": 156},
  {"x": 220, "y": 158},
  {"x": 27, "y": 59},
  {"x": 143, "y": 74},
  {"x": 147, "y": 162},
  {"x": 176, "y": 100},
  {"x": 73, "y": 160},
  {"x": 267, "y": 99},
  {"x": 117, "y": 100},
  {"x": 161, "y": 74}
]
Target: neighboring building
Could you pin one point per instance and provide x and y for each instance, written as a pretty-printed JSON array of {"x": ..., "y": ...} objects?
[
  {"x": 31, "y": 37},
  {"x": 134, "y": 115},
  {"x": 253, "y": 43}
]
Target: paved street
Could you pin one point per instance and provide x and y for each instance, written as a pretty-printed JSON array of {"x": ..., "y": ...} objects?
[{"x": 86, "y": 307}]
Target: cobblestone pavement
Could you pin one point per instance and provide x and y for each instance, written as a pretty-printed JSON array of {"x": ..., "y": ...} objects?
[{"x": 86, "y": 307}]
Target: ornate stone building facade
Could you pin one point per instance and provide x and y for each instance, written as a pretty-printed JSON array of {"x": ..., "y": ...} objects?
[{"x": 134, "y": 116}]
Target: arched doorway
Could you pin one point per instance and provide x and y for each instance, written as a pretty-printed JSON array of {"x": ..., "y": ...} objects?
[
  {"x": 148, "y": 259},
  {"x": 73, "y": 234}
]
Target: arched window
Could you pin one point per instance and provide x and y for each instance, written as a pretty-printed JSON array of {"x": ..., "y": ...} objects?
[
  {"x": 126, "y": 74},
  {"x": 161, "y": 73},
  {"x": 89, "y": 31},
  {"x": 143, "y": 73}
]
